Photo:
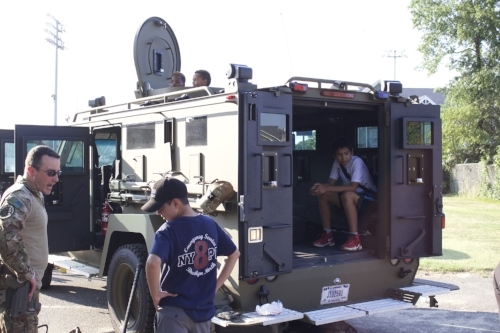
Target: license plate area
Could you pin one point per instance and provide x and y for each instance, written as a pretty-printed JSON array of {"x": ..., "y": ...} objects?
[{"x": 334, "y": 294}]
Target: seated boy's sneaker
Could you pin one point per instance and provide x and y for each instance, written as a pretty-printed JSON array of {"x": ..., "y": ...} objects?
[
  {"x": 353, "y": 244},
  {"x": 324, "y": 239}
]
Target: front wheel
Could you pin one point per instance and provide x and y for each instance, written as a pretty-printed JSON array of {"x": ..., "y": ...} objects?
[{"x": 119, "y": 285}]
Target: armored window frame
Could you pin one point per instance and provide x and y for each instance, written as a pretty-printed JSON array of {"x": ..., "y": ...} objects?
[
  {"x": 5, "y": 157},
  {"x": 427, "y": 133},
  {"x": 141, "y": 136},
  {"x": 196, "y": 131}
]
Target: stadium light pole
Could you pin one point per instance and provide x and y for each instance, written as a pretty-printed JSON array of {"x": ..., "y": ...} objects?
[
  {"x": 394, "y": 55},
  {"x": 54, "y": 39}
]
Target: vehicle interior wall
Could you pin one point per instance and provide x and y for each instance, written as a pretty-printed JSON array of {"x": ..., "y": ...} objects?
[{"x": 315, "y": 130}]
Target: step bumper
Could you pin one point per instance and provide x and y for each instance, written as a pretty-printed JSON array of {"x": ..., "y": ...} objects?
[{"x": 398, "y": 299}]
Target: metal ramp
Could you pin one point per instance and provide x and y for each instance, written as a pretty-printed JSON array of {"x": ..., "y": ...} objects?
[
  {"x": 427, "y": 290},
  {"x": 74, "y": 266},
  {"x": 253, "y": 318},
  {"x": 331, "y": 315}
]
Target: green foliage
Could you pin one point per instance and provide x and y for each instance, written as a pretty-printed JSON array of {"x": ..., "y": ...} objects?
[
  {"x": 470, "y": 239},
  {"x": 463, "y": 31},
  {"x": 307, "y": 142},
  {"x": 464, "y": 35}
]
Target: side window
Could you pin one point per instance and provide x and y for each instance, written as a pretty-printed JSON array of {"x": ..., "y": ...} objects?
[
  {"x": 367, "y": 137},
  {"x": 304, "y": 140},
  {"x": 196, "y": 131},
  {"x": 9, "y": 161},
  {"x": 141, "y": 136},
  {"x": 106, "y": 148},
  {"x": 72, "y": 153}
]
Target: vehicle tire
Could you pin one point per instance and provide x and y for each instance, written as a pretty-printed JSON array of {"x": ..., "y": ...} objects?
[
  {"x": 47, "y": 276},
  {"x": 119, "y": 285}
]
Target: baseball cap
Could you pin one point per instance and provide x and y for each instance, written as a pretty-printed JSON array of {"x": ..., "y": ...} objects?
[{"x": 164, "y": 190}]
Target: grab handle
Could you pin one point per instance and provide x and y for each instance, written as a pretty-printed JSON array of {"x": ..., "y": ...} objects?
[
  {"x": 291, "y": 170},
  {"x": 260, "y": 181},
  {"x": 402, "y": 170}
]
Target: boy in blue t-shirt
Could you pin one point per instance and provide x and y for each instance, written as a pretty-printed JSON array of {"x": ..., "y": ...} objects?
[{"x": 186, "y": 246}]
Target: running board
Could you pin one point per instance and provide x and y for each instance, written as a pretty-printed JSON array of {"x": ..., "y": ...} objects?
[{"x": 74, "y": 266}]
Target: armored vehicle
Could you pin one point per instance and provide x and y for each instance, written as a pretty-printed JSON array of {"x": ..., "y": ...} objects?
[{"x": 271, "y": 144}]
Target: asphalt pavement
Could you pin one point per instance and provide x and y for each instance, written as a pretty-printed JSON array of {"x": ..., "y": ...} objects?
[{"x": 73, "y": 301}]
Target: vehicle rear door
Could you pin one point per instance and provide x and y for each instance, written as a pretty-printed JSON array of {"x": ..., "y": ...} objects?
[
  {"x": 68, "y": 206},
  {"x": 416, "y": 181},
  {"x": 6, "y": 159},
  {"x": 265, "y": 184}
]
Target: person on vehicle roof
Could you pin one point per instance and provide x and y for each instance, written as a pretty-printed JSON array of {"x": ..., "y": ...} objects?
[
  {"x": 349, "y": 183},
  {"x": 178, "y": 80},
  {"x": 24, "y": 248},
  {"x": 201, "y": 78},
  {"x": 186, "y": 246}
]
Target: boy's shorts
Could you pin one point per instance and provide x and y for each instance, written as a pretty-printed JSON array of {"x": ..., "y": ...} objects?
[{"x": 172, "y": 319}]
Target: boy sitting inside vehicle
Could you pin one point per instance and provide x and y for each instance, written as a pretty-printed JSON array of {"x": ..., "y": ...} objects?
[{"x": 349, "y": 182}]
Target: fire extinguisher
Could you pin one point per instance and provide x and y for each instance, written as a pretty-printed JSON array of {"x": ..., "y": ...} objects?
[{"x": 106, "y": 210}]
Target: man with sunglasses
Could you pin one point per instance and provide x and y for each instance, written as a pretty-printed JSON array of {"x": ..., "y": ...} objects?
[{"x": 23, "y": 237}]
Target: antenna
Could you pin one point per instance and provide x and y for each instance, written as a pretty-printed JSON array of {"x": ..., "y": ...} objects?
[
  {"x": 394, "y": 55},
  {"x": 59, "y": 44}
]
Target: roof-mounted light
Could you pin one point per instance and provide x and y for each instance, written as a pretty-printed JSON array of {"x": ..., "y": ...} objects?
[
  {"x": 99, "y": 101},
  {"x": 242, "y": 73},
  {"x": 298, "y": 87},
  {"x": 381, "y": 95},
  {"x": 392, "y": 87}
]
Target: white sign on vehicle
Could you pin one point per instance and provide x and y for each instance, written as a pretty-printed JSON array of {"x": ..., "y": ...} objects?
[{"x": 334, "y": 294}]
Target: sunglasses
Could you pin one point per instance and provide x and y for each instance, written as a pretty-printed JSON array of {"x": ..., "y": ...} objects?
[{"x": 50, "y": 172}]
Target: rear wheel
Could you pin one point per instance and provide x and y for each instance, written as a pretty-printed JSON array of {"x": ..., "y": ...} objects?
[{"x": 119, "y": 285}]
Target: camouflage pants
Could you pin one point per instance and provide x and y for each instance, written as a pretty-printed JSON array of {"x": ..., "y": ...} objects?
[{"x": 21, "y": 324}]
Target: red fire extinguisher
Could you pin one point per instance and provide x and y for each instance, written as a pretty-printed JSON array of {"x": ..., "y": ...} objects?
[{"x": 106, "y": 210}]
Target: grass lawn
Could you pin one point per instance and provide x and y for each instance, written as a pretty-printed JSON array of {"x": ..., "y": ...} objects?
[{"x": 471, "y": 239}]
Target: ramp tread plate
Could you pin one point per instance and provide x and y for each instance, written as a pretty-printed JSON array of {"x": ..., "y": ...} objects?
[
  {"x": 427, "y": 290},
  {"x": 73, "y": 265},
  {"x": 382, "y": 305},
  {"x": 436, "y": 284},
  {"x": 253, "y": 318},
  {"x": 331, "y": 315}
]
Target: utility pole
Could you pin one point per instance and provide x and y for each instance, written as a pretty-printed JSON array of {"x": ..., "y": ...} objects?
[
  {"x": 54, "y": 39},
  {"x": 394, "y": 55}
]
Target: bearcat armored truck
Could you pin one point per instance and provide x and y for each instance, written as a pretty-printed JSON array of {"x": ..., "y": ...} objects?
[{"x": 248, "y": 156}]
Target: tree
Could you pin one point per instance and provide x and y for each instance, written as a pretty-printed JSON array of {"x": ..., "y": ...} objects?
[{"x": 464, "y": 34}]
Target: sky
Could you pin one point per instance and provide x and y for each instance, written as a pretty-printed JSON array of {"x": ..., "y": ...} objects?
[{"x": 341, "y": 40}]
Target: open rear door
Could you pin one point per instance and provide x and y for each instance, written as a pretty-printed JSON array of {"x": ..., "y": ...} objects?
[
  {"x": 416, "y": 181},
  {"x": 265, "y": 184},
  {"x": 68, "y": 206},
  {"x": 6, "y": 159}
]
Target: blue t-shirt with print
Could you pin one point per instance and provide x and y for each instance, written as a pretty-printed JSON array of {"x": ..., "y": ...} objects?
[{"x": 188, "y": 248}]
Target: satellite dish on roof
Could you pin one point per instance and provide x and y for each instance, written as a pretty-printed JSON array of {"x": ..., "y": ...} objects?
[{"x": 156, "y": 54}]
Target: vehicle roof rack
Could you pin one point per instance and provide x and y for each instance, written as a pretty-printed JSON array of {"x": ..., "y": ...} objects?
[{"x": 334, "y": 84}]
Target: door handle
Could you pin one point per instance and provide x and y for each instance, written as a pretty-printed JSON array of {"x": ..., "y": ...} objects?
[
  {"x": 260, "y": 181},
  {"x": 402, "y": 169},
  {"x": 290, "y": 170}
]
